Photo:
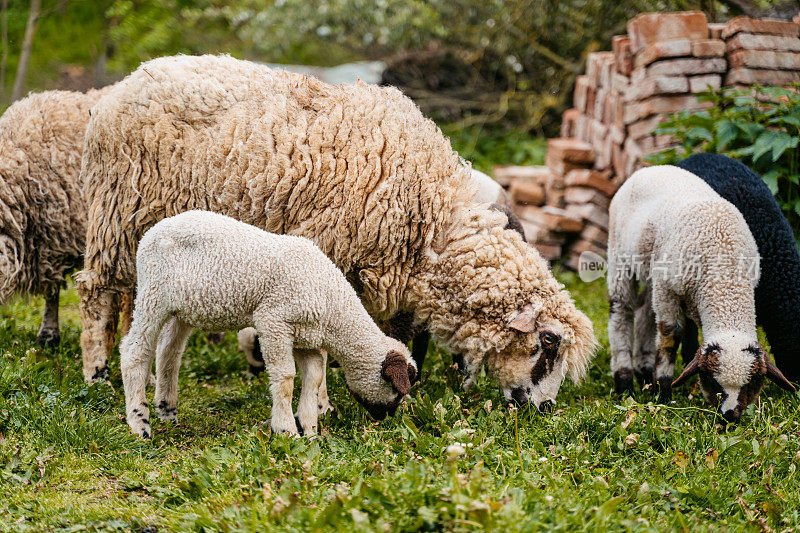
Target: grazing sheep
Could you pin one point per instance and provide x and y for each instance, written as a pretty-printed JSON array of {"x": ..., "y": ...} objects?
[
  {"x": 400, "y": 327},
  {"x": 778, "y": 293},
  {"x": 42, "y": 214},
  {"x": 355, "y": 168},
  {"x": 208, "y": 271},
  {"x": 692, "y": 250}
]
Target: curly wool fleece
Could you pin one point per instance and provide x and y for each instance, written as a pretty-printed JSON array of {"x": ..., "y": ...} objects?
[
  {"x": 355, "y": 168},
  {"x": 42, "y": 213},
  {"x": 209, "y": 271}
]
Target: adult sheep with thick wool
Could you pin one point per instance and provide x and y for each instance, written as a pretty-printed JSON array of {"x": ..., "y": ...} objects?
[
  {"x": 355, "y": 168},
  {"x": 204, "y": 270},
  {"x": 695, "y": 255},
  {"x": 778, "y": 292},
  {"x": 42, "y": 213}
]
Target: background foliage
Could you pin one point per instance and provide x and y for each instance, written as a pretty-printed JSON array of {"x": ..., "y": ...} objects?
[
  {"x": 497, "y": 64},
  {"x": 759, "y": 126}
]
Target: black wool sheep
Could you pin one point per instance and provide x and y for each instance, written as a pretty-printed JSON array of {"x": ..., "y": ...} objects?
[{"x": 777, "y": 295}]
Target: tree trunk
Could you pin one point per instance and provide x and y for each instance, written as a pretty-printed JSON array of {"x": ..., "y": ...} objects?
[
  {"x": 25, "y": 55},
  {"x": 4, "y": 39}
]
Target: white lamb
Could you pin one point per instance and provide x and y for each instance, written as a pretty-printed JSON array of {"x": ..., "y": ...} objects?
[
  {"x": 208, "y": 271},
  {"x": 694, "y": 253}
]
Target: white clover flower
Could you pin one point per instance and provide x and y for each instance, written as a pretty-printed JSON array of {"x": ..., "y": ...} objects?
[{"x": 454, "y": 451}]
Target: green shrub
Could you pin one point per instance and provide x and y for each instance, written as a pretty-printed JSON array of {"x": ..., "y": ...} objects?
[{"x": 758, "y": 126}]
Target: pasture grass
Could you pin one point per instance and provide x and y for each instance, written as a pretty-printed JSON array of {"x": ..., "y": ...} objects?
[{"x": 68, "y": 462}]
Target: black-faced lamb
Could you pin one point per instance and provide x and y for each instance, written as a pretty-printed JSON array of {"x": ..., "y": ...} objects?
[
  {"x": 208, "y": 271},
  {"x": 355, "y": 168},
  {"x": 778, "y": 292},
  {"x": 693, "y": 251}
]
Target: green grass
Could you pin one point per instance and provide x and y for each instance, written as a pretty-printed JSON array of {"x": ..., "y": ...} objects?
[{"x": 68, "y": 462}]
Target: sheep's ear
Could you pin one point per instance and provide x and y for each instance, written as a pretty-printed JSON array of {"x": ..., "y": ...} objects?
[
  {"x": 777, "y": 376},
  {"x": 525, "y": 319},
  {"x": 691, "y": 369},
  {"x": 395, "y": 369},
  {"x": 412, "y": 373}
]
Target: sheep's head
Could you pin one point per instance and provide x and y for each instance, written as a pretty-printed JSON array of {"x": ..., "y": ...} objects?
[
  {"x": 492, "y": 298},
  {"x": 732, "y": 368},
  {"x": 381, "y": 392},
  {"x": 548, "y": 345}
]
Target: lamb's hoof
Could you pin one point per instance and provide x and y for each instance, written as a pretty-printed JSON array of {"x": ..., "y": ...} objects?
[
  {"x": 664, "y": 390},
  {"x": 140, "y": 426},
  {"x": 310, "y": 432},
  {"x": 100, "y": 373},
  {"x": 288, "y": 430},
  {"x": 48, "y": 338},
  {"x": 216, "y": 338},
  {"x": 166, "y": 413},
  {"x": 645, "y": 376},
  {"x": 324, "y": 408},
  {"x": 623, "y": 381}
]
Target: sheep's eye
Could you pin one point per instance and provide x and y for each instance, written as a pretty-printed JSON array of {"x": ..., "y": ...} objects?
[{"x": 549, "y": 339}]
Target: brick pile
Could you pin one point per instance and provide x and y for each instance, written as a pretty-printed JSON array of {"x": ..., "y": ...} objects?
[
  {"x": 657, "y": 68},
  {"x": 766, "y": 52}
]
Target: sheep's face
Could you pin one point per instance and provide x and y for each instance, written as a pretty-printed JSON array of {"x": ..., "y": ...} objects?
[
  {"x": 381, "y": 393},
  {"x": 531, "y": 370},
  {"x": 731, "y": 369}
]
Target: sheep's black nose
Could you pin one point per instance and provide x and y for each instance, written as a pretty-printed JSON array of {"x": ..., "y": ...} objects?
[
  {"x": 519, "y": 397},
  {"x": 732, "y": 416},
  {"x": 546, "y": 407}
]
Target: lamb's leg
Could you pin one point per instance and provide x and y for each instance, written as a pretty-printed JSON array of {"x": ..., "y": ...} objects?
[
  {"x": 691, "y": 342},
  {"x": 312, "y": 368},
  {"x": 136, "y": 357},
  {"x": 171, "y": 344},
  {"x": 126, "y": 312},
  {"x": 125, "y": 317},
  {"x": 419, "y": 349},
  {"x": 324, "y": 407},
  {"x": 248, "y": 343},
  {"x": 276, "y": 348},
  {"x": 99, "y": 312},
  {"x": 49, "y": 335},
  {"x": 670, "y": 326},
  {"x": 622, "y": 297},
  {"x": 644, "y": 340}
]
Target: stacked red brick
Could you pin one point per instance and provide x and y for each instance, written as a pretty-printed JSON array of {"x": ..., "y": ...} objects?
[
  {"x": 547, "y": 227},
  {"x": 762, "y": 51},
  {"x": 656, "y": 69}
]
